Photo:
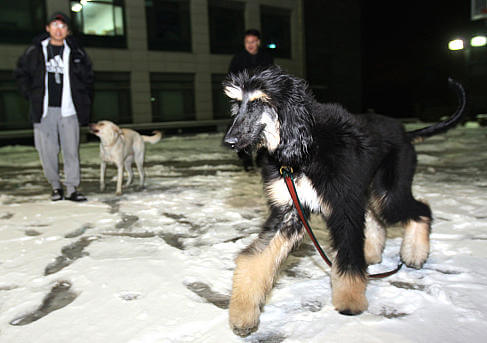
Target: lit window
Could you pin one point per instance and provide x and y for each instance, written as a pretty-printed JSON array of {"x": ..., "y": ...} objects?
[{"x": 99, "y": 22}]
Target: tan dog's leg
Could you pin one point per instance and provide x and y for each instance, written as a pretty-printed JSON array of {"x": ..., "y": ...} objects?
[
  {"x": 375, "y": 237},
  {"x": 253, "y": 278},
  {"x": 119, "y": 178},
  {"x": 103, "y": 167},
  {"x": 128, "y": 168},
  {"x": 415, "y": 245},
  {"x": 348, "y": 292},
  {"x": 139, "y": 162}
]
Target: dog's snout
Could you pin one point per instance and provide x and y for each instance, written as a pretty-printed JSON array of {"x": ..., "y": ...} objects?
[{"x": 231, "y": 140}]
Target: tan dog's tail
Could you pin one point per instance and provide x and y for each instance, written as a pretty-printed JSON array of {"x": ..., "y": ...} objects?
[{"x": 153, "y": 139}]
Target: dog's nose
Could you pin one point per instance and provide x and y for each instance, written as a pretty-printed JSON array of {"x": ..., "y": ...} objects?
[{"x": 230, "y": 140}]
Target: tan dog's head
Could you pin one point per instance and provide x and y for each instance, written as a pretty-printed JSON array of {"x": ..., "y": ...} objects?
[{"x": 107, "y": 131}]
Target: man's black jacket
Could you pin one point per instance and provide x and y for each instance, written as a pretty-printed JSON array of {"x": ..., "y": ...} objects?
[
  {"x": 244, "y": 60},
  {"x": 30, "y": 74}
]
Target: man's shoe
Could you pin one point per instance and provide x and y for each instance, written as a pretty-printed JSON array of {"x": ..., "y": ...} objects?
[
  {"x": 57, "y": 194},
  {"x": 76, "y": 196}
]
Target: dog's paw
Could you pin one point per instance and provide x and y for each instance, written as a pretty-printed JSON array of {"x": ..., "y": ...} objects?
[
  {"x": 244, "y": 320},
  {"x": 415, "y": 246},
  {"x": 102, "y": 187},
  {"x": 348, "y": 293},
  {"x": 415, "y": 256},
  {"x": 118, "y": 193},
  {"x": 373, "y": 254},
  {"x": 350, "y": 304}
]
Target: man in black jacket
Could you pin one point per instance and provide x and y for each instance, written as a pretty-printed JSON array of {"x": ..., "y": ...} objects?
[
  {"x": 56, "y": 76},
  {"x": 251, "y": 57}
]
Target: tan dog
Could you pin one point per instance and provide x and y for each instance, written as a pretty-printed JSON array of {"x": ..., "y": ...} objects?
[{"x": 122, "y": 147}]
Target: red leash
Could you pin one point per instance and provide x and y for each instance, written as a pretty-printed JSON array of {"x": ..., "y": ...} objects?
[{"x": 287, "y": 173}]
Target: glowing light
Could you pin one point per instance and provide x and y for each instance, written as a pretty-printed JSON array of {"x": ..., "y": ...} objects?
[
  {"x": 456, "y": 44},
  {"x": 76, "y": 7},
  {"x": 478, "y": 41},
  {"x": 272, "y": 46}
]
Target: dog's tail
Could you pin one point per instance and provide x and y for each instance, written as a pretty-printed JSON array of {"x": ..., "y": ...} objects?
[
  {"x": 443, "y": 126},
  {"x": 156, "y": 137}
]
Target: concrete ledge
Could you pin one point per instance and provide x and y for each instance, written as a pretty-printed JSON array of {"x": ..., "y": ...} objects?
[{"x": 220, "y": 124}]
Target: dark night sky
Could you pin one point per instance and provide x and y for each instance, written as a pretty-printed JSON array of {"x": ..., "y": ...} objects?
[{"x": 405, "y": 54}]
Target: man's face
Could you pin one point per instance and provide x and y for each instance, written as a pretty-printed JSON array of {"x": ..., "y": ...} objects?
[
  {"x": 252, "y": 44},
  {"x": 58, "y": 30}
]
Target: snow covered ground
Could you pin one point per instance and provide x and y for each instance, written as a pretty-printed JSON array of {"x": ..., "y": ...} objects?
[{"x": 155, "y": 265}]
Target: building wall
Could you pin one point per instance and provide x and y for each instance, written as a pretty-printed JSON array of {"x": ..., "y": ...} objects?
[{"x": 140, "y": 61}]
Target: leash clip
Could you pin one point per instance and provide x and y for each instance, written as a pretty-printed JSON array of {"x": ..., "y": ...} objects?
[{"x": 286, "y": 169}]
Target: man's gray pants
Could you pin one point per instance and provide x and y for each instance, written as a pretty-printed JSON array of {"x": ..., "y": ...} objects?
[{"x": 54, "y": 131}]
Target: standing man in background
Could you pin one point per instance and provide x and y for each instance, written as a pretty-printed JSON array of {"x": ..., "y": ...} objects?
[
  {"x": 250, "y": 58},
  {"x": 56, "y": 76}
]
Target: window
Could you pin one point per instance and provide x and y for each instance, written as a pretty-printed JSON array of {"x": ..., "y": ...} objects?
[
  {"x": 22, "y": 20},
  {"x": 111, "y": 100},
  {"x": 221, "y": 103},
  {"x": 276, "y": 30},
  {"x": 99, "y": 22},
  {"x": 14, "y": 108},
  {"x": 172, "y": 97},
  {"x": 227, "y": 26},
  {"x": 168, "y": 25}
]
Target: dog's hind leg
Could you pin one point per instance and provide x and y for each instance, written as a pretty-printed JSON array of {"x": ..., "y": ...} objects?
[
  {"x": 392, "y": 185},
  {"x": 375, "y": 238},
  {"x": 128, "y": 167},
  {"x": 139, "y": 162},
  {"x": 415, "y": 245},
  {"x": 119, "y": 177},
  {"x": 256, "y": 269}
]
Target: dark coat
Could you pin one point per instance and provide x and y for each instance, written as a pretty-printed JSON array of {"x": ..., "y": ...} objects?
[
  {"x": 30, "y": 75},
  {"x": 244, "y": 60}
]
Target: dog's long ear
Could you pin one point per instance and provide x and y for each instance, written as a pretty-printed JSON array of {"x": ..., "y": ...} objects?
[{"x": 296, "y": 123}]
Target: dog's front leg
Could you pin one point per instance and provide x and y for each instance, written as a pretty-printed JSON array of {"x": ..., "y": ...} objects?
[
  {"x": 103, "y": 167},
  {"x": 348, "y": 273},
  {"x": 257, "y": 266},
  {"x": 119, "y": 178}
]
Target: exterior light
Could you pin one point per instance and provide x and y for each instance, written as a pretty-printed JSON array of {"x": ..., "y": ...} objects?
[
  {"x": 76, "y": 7},
  {"x": 478, "y": 41},
  {"x": 456, "y": 44}
]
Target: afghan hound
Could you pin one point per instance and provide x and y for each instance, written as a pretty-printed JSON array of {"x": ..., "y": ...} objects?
[{"x": 351, "y": 169}]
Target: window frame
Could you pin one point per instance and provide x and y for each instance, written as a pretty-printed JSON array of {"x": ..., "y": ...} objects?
[
  {"x": 157, "y": 44},
  {"x": 114, "y": 77},
  {"x": 16, "y": 36},
  {"x": 220, "y": 112},
  {"x": 6, "y": 76},
  {"x": 227, "y": 48},
  {"x": 161, "y": 77}
]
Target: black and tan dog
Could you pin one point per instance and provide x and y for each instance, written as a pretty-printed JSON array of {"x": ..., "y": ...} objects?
[{"x": 356, "y": 170}]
